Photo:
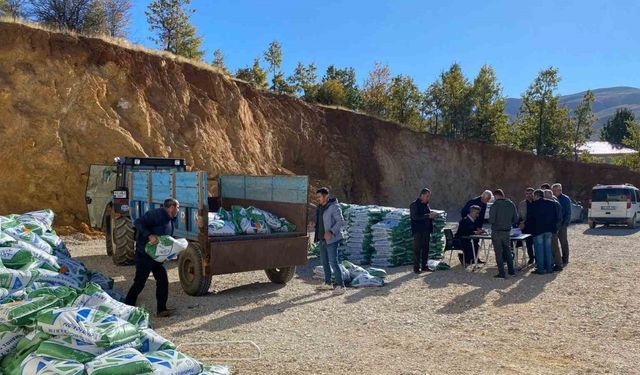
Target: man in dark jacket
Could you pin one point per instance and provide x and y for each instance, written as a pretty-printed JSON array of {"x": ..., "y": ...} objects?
[
  {"x": 555, "y": 245},
  {"x": 565, "y": 203},
  {"x": 421, "y": 228},
  {"x": 154, "y": 223},
  {"x": 480, "y": 201},
  {"x": 466, "y": 228},
  {"x": 329, "y": 225},
  {"x": 523, "y": 207},
  {"x": 542, "y": 219},
  {"x": 503, "y": 216}
]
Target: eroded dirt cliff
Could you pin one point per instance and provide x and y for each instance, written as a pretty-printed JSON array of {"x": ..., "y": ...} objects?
[{"x": 67, "y": 102}]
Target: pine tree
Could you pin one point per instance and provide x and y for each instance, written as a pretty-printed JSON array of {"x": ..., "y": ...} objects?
[
  {"x": 169, "y": 19},
  {"x": 488, "y": 116},
  {"x": 544, "y": 124},
  {"x": 582, "y": 123},
  {"x": 616, "y": 129},
  {"x": 304, "y": 80},
  {"x": 218, "y": 61},
  {"x": 254, "y": 74},
  {"x": 404, "y": 102}
]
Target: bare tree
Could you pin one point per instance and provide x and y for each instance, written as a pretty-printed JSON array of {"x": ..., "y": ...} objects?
[
  {"x": 117, "y": 17},
  {"x": 12, "y": 8},
  {"x": 63, "y": 14}
]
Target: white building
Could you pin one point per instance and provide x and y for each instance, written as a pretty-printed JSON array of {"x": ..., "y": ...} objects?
[{"x": 605, "y": 150}]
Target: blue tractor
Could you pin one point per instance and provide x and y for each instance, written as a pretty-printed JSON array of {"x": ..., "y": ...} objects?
[{"x": 107, "y": 198}]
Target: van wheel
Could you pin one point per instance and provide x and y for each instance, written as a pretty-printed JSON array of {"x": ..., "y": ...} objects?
[
  {"x": 632, "y": 223},
  {"x": 281, "y": 275},
  {"x": 592, "y": 224}
]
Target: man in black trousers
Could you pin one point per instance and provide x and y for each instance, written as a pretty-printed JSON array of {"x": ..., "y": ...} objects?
[
  {"x": 466, "y": 228},
  {"x": 523, "y": 207},
  {"x": 421, "y": 228},
  {"x": 154, "y": 223}
]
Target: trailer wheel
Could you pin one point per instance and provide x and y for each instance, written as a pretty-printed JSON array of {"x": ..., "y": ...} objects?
[
  {"x": 281, "y": 275},
  {"x": 123, "y": 239},
  {"x": 106, "y": 226},
  {"x": 192, "y": 278}
]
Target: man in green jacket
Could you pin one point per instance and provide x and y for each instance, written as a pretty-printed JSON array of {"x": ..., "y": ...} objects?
[{"x": 503, "y": 216}]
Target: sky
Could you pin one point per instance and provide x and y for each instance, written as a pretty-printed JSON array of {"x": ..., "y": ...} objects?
[{"x": 594, "y": 44}]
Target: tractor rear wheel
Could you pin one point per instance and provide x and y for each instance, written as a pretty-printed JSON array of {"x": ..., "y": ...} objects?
[
  {"x": 123, "y": 239},
  {"x": 193, "y": 279},
  {"x": 281, "y": 275}
]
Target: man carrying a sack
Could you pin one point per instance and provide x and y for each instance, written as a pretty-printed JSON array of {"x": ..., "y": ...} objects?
[{"x": 154, "y": 223}]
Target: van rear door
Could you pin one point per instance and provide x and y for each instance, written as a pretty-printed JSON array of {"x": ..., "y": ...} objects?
[{"x": 610, "y": 202}]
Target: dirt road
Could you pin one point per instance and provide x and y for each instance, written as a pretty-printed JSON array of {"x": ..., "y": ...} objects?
[{"x": 583, "y": 320}]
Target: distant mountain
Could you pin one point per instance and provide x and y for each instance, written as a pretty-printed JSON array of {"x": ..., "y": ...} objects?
[{"x": 607, "y": 101}]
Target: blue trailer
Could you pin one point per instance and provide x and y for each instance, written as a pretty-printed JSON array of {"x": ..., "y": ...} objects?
[{"x": 276, "y": 253}]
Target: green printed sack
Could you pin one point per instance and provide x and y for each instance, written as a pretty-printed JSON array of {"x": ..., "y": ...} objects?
[
  {"x": 150, "y": 341},
  {"x": 21, "y": 233},
  {"x": 16, "y": 279},
  {"x": 57, "y": 278},
  {"x": 241, "y": 221},
  {"x": 377, "y": 272},
  {"x": 366, "y": 280},
  {"x": 64, "y": 347},
  {"x": 354, "y": 270},
  {"x": 172, "y": 362},
  {"x": 42, "y": 259},
  {"x": 93, "y": 296},
  {"x": 88, "y": 325},
  {"x": 27, "y": 345},
  {"x": 119, "y": 361},
  {"x": 167, "y": 248},
  {"x": 51, "y": 238},
  {"x": 35, "y": 364},
  {"x": 14, "y": 257},
  {"x": 20, "y": 313},
  {"x": 13, "y": 296},
  {"x": 43, "y": 218},
  {"x": 9, "y": 337},
  {"x": 258, "y": 220},
  {"x": 65, "y": 294},
  {"x": 6, "y": 240},
  {"x": 215, "y": 370},
  {"x": 75, "y": 269}
]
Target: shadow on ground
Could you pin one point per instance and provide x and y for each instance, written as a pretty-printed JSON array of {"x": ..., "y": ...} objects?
[{"x": 521, "y": 288}]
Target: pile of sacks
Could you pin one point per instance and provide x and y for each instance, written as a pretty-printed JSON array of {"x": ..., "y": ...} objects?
[
  {"x": 249, "y": 220},
  {"x": 392, "y": 240},
  {"x": 355, "y": 276},
  {"x": 357, "y": 245},
  {"x": 57, "y": 317},
  {"x": 437, "y": 240}
]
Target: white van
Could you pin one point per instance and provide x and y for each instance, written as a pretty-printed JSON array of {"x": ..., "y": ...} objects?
[{"x": 614, "y": 204}]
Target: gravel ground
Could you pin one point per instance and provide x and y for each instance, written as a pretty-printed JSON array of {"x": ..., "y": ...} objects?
[{"x": 581, "y": 321}]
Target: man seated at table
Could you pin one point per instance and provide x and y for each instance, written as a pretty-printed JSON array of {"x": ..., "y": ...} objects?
[
  {"x": 467, "y": 227},
  {"x": 480, "y": 201}
]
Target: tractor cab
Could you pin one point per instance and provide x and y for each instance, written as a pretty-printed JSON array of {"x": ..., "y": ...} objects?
[{"x": 107, "y": 199}]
